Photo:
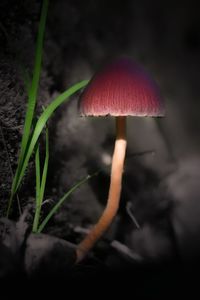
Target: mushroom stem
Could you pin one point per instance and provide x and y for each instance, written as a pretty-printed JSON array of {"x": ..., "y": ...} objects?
[{"x": 114, "y": 191}]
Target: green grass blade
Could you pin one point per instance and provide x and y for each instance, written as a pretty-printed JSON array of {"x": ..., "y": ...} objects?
[
  {"x": 37, "y": 131},
  {"x": 37, "y": 171},
  {"x": 42, "y": 122},
  {"x": 37, "y": 197},
  {"x": 60, "y": 202},
  {"x": 33, "y": 88},
  {"x": 32, "y": 96},
  {"x": 41, "y": 188},
  {"x": 45, "y": 169}
]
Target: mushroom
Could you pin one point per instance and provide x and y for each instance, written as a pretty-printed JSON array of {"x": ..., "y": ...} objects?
[{"x": 122, "y": 88}]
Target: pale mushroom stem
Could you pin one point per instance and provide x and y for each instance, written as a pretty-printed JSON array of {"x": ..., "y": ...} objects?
[{"x": 114, "y": 191}]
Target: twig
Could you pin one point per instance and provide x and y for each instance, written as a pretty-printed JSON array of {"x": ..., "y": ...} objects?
[
  {"x": 79, "y": 229},
  {"x": 129, "y": 212},
  {"x": 118, "y": 246},
  {"x": 125, "y": 251}
]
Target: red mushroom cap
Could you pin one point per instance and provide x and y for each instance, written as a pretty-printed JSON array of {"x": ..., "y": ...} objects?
[{"x": 121, "y": 88}]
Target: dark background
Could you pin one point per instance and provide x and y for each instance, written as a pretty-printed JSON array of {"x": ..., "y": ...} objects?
[{"x": 162, "y": 186}]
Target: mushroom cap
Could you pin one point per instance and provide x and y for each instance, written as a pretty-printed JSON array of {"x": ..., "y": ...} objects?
[{"x": 121, "y": 88}]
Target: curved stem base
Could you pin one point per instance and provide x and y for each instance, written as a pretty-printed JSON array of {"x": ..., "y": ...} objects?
[{"x": 114, "y": 192}]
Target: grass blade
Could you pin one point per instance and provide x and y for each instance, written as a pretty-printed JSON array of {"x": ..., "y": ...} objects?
[
  {"x": 42, "y": 122},
  {"x": 45, "y": 169},
  {"x": 60, "y": 202},
  {"x": 40, "y": 185},
  {"x": 33, "y": 88},
  {"x": 32, "y": 96},
  {"x": 37, "y": 131},
  {"x": 37, "y": 196},
  {"x": 37, "y": 169}
]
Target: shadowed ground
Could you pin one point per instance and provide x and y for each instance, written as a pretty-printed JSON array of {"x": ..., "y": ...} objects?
[{"x": 161, "y": 186}]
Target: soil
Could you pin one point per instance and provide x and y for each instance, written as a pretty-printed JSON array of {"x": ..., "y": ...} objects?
[{"x": 161, "y": 155}]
